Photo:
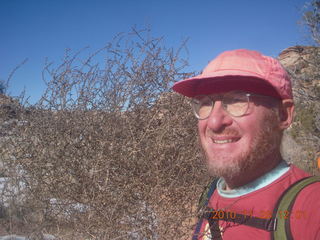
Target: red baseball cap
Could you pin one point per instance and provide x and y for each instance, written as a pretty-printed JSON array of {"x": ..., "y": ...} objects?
[{"x": 240, "y": 69}]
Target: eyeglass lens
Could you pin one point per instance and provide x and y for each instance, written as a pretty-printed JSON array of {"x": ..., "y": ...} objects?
[{"x": 236, "y": 104}]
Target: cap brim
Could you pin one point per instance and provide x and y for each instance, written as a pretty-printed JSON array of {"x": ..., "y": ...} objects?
[{"x": 224, "y": 81}]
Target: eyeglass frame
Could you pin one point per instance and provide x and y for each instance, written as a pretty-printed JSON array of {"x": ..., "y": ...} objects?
[{"x": 221, "y": 96}]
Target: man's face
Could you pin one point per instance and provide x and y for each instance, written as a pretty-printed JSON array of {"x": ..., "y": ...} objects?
[{"x": 238, "y": 145}]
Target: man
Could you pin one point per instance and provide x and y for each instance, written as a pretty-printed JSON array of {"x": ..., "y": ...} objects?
[{"x": 244, "y": 102}]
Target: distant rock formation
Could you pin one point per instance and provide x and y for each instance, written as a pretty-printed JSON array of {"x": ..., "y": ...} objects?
[
  {"x": 302, "y": 63},
  {"x": 296, "y": 57}
]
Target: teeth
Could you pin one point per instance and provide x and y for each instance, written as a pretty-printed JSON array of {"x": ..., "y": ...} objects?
[{"x": 223, "y": 141}]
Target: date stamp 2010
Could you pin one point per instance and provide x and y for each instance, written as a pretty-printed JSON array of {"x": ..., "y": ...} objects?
[{"x": 263, "y": 214}]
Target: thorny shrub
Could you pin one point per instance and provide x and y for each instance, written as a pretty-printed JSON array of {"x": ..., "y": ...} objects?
[{"x": 108, "y": 152}]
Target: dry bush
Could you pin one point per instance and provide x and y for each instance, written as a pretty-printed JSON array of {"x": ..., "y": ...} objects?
[{"x": 108, "y": 152}]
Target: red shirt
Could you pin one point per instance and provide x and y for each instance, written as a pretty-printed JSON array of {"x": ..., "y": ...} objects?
[{"x": 304, "y": 217}]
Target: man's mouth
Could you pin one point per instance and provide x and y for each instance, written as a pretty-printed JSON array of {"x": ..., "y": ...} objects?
[{"x": 224, "y": 141}]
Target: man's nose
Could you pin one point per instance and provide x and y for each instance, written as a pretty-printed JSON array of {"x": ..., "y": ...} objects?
[{"x": 219, "y": 118}]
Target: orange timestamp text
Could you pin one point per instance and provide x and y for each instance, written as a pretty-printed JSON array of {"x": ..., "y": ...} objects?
[
  {"x": 263, "y": 214},
  {"x": 297, "y": 214}
]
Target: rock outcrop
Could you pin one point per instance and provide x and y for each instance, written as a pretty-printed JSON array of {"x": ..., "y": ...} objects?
[{"x": 301, "y": 143}]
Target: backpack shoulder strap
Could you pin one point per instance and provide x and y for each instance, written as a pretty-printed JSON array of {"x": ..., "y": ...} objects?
[
  {"x": 285, "y": 204},
  {"x": 202, "y": 205},
  {"x": 207, "y": 193}
]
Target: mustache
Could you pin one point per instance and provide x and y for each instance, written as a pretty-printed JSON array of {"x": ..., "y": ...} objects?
[{"x": 223, "y": 132}]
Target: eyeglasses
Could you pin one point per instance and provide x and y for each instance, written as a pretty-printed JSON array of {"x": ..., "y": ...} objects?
[{"x": 235, "y": 103}]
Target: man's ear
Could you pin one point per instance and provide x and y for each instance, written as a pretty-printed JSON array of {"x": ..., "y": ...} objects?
[{"x": 286, "y": 111}]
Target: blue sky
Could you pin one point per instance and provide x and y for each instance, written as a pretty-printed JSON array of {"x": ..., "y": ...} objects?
[{"x": 40, "y": 29}]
